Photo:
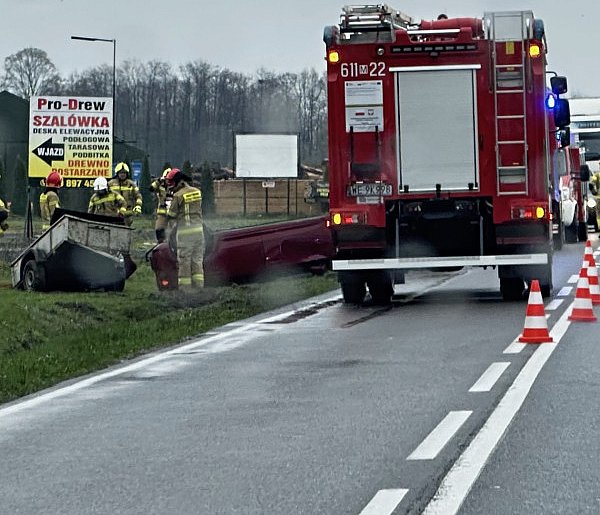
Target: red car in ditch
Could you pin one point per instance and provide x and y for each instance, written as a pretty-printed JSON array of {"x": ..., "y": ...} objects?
[{"x": 251, "y": 253}]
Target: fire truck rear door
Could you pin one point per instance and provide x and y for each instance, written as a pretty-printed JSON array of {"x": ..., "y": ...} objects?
[{"x": 436, "y": 109}]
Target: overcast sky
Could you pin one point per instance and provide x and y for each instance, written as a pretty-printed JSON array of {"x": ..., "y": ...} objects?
[{"x": 245, "y": 35}]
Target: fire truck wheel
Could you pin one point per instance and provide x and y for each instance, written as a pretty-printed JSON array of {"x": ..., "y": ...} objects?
[
  {"x": 546, "y": 290},
  {"x": 571, "y": 232},
  {"x": 353, "y": 288},
  {"x": 582, "y": 231},
  {"x": 380, "y": 287},
  {"x": 559, "y": 239},
  {"x": 512, "y": 288}
]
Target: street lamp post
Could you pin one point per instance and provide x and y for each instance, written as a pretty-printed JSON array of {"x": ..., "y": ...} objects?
[{"x": 114, "y": 75}]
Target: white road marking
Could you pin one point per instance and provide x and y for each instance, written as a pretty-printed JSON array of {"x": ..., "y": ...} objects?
[
  {"x": 384, "y": 502},
  {"x": 554, "y": 304},
  {"x": 565, "y": 291},
  {"x": 458, "y": 482},
  {"x": 440, "y": 436},
  {"x": 488, "y": 379},
  {"x": 573, "y": 279},
  {"x": 515, "y": 347}
]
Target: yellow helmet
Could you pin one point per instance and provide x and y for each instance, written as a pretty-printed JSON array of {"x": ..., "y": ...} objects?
[{"x": 121, "y": 167}]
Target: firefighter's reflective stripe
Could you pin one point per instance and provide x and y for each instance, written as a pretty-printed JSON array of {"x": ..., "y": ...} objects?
[
  {"x": 105, "y": 202},
  {"x": 198, "y": 279},
  {"x": 45, "y": 227},
  {"x": 185, "y": 231},
  {"x": 161, "y": 211},
  {"x": 48, "y": 203},
  {"x": 186, "y": 281},
  {"x": 192, "y": 196}
]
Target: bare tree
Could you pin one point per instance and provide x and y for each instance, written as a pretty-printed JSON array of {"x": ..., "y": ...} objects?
[{"x": 30, "y": 72}]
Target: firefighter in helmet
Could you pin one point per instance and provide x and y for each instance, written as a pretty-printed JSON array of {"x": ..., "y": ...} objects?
[
  {"x": 163, "y": 199},
  {"x": 4, "y": 211},
  {"x": 49, "y": 200},
  {"x": 122, "y": 184},
  {"x": 185, "y": 216},
  {"x": 594, "y": 186},
  {"x": 106, "y": 202}
]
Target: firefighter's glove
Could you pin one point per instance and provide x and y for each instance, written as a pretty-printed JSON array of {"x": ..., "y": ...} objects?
[{"x": 137, "y": 210}]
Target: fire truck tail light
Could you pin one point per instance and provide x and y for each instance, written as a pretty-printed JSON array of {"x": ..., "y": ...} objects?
[
  {"x": 333, "y": 56},
  {"x": 534, "y": 50},
  {"x": 529, "y": 213},
  {"x": 347, "y": 218},
  {"x": 550, "y": 101}
]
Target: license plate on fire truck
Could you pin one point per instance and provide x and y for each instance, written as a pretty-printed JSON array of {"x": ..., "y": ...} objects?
[{"x": 370, "y": 190}]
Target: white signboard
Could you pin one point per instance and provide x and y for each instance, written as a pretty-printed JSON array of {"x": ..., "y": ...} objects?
[
  {"x": 364, "y": 119},
  {"x": 260, "y": 156},
  {"x": 364, "y": 92},
  {"x": 364, "y": 105},
  {"x": 71, "y": 136}
]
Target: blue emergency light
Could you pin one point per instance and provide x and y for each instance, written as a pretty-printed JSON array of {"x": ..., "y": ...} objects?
[{"x": 550, "y": 101}]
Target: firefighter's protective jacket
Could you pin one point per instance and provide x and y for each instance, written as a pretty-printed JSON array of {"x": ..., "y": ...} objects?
[
  {"x": 595, "y": 184},
  {"x": 49, "y": 201},
  {"x": 186, "y": 208},
  {"x": 3, "y": 216},
  {"x": 111, "y": 204},
  {"x": 160, "y": 192},
  {"x": 128, "y": 190}
]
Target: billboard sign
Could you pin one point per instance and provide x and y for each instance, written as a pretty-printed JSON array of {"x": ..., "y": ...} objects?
[
  {"x": 266, "y": 156},
  {"x": 72, "y": 136}
]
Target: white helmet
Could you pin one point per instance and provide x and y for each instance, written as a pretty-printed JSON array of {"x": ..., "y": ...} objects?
[{"x": 100, "y": 184}]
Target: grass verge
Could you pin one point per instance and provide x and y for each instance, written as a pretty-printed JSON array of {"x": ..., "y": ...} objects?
[{"x": 46, "y": 338}]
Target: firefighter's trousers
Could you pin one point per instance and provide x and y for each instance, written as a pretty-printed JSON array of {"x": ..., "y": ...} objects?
[
  {"x": 190, "y": 253},
  {"x": 160, "y": 227}
]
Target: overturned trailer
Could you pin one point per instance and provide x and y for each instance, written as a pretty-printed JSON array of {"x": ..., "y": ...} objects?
[{"x": 79, "y": 252}]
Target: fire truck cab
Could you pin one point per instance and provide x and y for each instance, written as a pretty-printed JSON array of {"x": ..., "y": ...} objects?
[{"x": 440, "y": 149}]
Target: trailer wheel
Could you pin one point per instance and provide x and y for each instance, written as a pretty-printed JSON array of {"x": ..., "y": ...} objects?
[
  {"x": 380, "y": 287},
  {"x": 353, "y": 288},
  {"x": 34, "y": 276},
  {"x": 118, "y": 286},
  {"x": 512, "y": 288}
]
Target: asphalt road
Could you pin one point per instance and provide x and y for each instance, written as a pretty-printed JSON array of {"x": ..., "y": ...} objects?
[{"x": 426, "y": 406}]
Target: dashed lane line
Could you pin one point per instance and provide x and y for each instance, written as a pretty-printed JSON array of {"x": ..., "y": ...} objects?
[
  {"x": 440, "y": 436},
  {"x": 458, "y": 482},
  {"x": 565, "y": 291},
  {"x": 554, "y": 304},
  {"x": 488, "y": 379},
  {"x": 384, "y": 502}
]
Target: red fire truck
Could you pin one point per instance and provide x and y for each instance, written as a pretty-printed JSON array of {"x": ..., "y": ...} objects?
[{"x": 440, "y": 147}]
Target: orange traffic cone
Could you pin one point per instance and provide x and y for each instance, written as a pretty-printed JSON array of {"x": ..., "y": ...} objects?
[
  {"x": 536, "y": 327},
  {"x": 589, "y": 254},
  {"x": 582, "y": 305},
  {"x": 592, "y": 273}
]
